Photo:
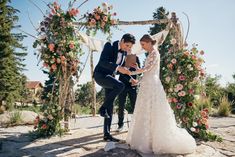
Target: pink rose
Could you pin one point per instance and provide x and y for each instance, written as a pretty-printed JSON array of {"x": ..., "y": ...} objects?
[
  {"x": 53, "y": 11},
  {"x": 179, "y": 87},
  {"x": 191, "y": 91},
  {"x": 194, "y": 57},
  {"x": 173, "y": 61},
  {"x": 169, "y": 100},
  {"x": 202, "y": 52},
  {"x": 97, "y": 17},
  {"x": 181, "y": 77},
  {"x": 53, "y": 67},
  {"x": 170, "y": 66},
  {"x": 113, "y": 22},
  {"x": 102, "y": 24},
  {"x": 174, "y": 100},
  {"x": 190, "y": 104},
  {"x": 186, "y": 53},
  {"x": 51, "y": 47},
  {"x": 204, "y": 121},
  {"x": 71, "y": 45},
  {"x": 203, "y": 113},
  {"x": 44, "y": 126},
  {"x": 178, "y": 106},
  {"x": 105, "y": 18},
  {"x": 45, "y": 65}
]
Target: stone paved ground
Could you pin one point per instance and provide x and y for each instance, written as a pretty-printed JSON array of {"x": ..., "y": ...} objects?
[{"x": 85, "y": 140}]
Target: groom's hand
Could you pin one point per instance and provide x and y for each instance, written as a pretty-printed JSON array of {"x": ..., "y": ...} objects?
[
  {"x": 124, "y": 70},
  {"x": 134, "y": 82}
]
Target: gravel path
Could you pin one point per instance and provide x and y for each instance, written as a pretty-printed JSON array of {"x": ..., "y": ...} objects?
[{"x": 85, "y": 140}]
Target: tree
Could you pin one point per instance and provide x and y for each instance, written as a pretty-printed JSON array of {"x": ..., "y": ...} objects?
[
  {"x": 213, "y": 89},
  {"x": 12, "y": 53},
  {"x": 230, "y": 91},
  {"x": 47, "y": 89},
  {"x": 160, "y": 14},
  {"x": 83, "y": 95}
]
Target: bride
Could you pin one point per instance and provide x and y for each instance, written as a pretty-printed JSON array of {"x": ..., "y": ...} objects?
[{"x": 153, "y": 127}]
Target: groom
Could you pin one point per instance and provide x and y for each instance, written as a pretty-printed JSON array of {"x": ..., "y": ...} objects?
[{"x": 110, "y": 63}]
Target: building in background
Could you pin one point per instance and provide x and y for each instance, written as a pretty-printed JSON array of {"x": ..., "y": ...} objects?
[{"x": 35, "y": 89}]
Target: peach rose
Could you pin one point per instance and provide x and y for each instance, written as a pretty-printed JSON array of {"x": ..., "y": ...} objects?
[
  {"x": 44, "y": 126},
  {"x": 51, "y": 47}
]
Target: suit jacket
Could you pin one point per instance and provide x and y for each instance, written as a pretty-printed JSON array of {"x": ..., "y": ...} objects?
[
  {"x": 126, "y": 78},
  {"x": 107, "y": 62}
]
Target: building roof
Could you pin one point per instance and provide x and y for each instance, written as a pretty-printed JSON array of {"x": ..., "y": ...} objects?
[{"x": 33, "y": 84}]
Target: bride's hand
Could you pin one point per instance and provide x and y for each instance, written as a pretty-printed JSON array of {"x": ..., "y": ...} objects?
[{"x": 140, "y": 70}]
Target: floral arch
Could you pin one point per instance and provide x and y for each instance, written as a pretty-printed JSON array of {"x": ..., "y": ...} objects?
[{"x": 59, "y": 49}]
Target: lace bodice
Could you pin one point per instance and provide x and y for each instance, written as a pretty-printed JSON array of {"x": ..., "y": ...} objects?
[{"x": 152, "y": 64}]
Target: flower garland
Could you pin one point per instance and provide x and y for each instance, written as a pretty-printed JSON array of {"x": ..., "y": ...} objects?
[
  {"x": 100, "y": 19},
  {"x": 182, "y": 73},
  {"x": 59, "y": 50}
]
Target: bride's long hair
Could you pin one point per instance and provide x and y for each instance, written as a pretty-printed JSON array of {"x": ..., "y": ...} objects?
[{"x": 147, "y": 38}]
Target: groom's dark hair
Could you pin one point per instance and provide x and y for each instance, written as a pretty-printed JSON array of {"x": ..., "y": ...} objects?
[{"x": 128, "y": 38}]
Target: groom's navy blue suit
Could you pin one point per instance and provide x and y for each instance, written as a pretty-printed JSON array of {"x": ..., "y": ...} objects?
[{"x": 104, "y": 75}]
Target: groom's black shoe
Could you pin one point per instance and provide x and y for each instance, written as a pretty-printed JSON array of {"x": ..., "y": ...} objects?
[
  {"x": 103, "y": 112},
  {"x": 109, "y": 138}
]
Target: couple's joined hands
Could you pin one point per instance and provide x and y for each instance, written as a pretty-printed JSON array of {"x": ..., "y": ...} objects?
[{"x": 126, "y": 71}]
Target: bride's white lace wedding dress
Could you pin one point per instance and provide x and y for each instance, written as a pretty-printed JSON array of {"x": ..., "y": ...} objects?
[{"x": 153, "y": 126}]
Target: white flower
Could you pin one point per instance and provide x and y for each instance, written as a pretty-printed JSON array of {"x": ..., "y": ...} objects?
[
  {"x": 191, "y": 69},
  {"x": 173, "y": 41},
  {"x": 197, "y": 97},
  {"x": 193, "y": 129},
  {"x": 183, "y": 93},
  {"x": 176, "y": 90},
  {"x": 194, "y": 124},
  {"x": 105, "y": 10},
  {"x": 71, "y": 54},
  {"x": 178, "y": 71},
  {"x": 111, "y": 7},
  {"x": 179, "y": 86},
  {"x": 168, "y": 79},
  {"x": 189, "y": 66},
  {"x": 105, "y": 5},
  {"x": 170, "y": 90},
  {"x": 196, "y": 79}
]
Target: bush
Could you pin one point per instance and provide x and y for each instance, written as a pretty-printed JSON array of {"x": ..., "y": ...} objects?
[
  {"x": 2, "y": 109},
  {"x": 204, "y": 103},
  {"x": 35, "y": 109},
  {"x": 15, "y": 118},
  {"x": 80, "y": 110},
  {"x": 225, "y": 107}
]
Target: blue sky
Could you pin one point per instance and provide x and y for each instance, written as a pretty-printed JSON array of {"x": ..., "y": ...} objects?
[{"x": 211, "y": 27}]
